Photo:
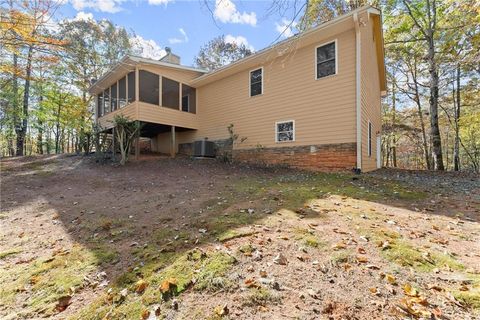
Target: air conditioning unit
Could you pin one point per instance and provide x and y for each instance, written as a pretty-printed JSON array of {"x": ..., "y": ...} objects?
[{"x": 204, "y": 148}]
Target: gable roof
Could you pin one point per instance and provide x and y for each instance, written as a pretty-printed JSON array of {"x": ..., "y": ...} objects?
[{"x": 343, "y": 22}]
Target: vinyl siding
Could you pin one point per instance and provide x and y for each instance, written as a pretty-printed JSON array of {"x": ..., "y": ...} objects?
[
  {"x": 370, "y": 95},
  {"x": 323, "y": 110}
]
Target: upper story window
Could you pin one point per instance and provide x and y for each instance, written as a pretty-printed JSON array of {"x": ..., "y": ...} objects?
[
  {"x": 326, "y": 60},
  {"x": 256, "y": 82},
  {"x": 285, "y": 131},
  {"x": 131, "y": 87}
]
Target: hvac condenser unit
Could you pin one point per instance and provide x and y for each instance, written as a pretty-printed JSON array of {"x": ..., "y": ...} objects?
[{"x": 204, "y": 148}]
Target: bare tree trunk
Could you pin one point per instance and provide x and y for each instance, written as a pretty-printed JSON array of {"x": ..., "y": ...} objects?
[
  {"x": 457, "y": 106},
  {"x": 394, "y": 125},
  {"x": 22, "y": 130}
]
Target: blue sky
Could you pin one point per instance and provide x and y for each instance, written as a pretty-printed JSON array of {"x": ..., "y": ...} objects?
[{"x": 186, "y": 25}]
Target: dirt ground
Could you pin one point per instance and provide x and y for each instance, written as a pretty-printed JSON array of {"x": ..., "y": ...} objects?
[{"x": 199, "y": 239}]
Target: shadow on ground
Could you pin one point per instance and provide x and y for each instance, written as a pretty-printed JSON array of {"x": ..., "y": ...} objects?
[{"x": 145, "y": 226}]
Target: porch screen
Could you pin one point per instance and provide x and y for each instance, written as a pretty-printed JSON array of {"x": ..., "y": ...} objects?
[
  {"x": 113, "y": 91},
  {"x": 106, "y": 100},
  {"x": 131, "y": 87},
  {"x": 170, "y": 93},
  {"x": 122, "y": 102},
  {"x": 149, "y": 86},
  {"x": 188, "y": 99}
]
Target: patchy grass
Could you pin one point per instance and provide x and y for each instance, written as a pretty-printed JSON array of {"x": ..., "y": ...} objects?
[
  {"x": 234, "y": 234},
  {"x": 470, "y": 298},
  {"x": 46, "y": 280},
  {"x": 308, "y": 238},
  {"x": 9, "y": 252},
  {"x": 260, "y": 297}
]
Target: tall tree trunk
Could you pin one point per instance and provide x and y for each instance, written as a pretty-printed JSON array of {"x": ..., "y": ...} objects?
[
  {"x": 457, "y": 106},
  {"x": 394, "y": 126},
  {"x": 21, "y": 132}
]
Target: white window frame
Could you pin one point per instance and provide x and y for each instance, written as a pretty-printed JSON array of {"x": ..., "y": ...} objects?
[
  {"x": 369, "y": 140},
  {"x": 276, "y": 131},
  {"x": 336, "y": 59},
  {"x": 250, "y": 82}
]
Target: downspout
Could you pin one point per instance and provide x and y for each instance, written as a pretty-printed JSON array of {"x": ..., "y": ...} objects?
[{"x": 358, "y": 102}]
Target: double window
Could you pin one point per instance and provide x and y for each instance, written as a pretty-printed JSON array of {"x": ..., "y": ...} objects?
[
  {"x": 326, "y": 60},
  {"x": 256, "y": 82},
  {"x": 285, "y": 131}
]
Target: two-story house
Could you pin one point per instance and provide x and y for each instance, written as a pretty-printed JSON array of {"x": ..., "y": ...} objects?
[{"x": 311, "y": 101}]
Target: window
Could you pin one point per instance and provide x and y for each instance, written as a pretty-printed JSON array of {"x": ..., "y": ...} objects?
[
  {"x": 106, "y": 99},
  {"x": 122, "y": 102},
  {"x": 113, "y": 100},
  {"x": 188, "y": 99},
  {"x": 170, "y": 93},
  {"x": 256, "y": 82},
  {"x": 149, "y": 86},
  {"x": 131, "y": 87},
  {"x": 100, "y": 104},
  {"x": 285, "y": 131},
  {"x": 369, "y": 139},
  {"x": 326, "y": 60}
]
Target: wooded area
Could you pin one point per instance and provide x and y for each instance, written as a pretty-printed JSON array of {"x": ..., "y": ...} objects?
[{"x": 431, "y": 111}]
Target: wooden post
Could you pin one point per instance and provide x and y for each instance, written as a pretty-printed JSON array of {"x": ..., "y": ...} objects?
[
  {"x": 137, "y": 145},
  {"x": 172, "y": 146},
  {"x": 113, "y": 143},
  {"x": 137, "y": 84}
]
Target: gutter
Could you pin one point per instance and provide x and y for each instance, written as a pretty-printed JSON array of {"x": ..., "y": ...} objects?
[{"x": 358, "y": 92}]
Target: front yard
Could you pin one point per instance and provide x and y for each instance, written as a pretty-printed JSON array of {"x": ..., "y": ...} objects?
[{"x": 183, "y": 239}]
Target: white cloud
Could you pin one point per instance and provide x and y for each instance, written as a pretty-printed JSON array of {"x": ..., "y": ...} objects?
[
  {"x": 179, "y": 40},
  {"x": 159, "y": 2},
  {"x": 110, "y": 6},
  {"x": 146, "y": 48},
  {"x": 239, "y": 40},
  {"x": 286, "y": 27},
  {"x": 83, "y": 16},
  {"x": 226, "y": 11}
]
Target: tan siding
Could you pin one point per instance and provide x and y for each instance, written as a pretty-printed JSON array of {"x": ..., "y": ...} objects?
[
  {"x": 129, "y": 111},
  {"x": 156, "y": 114},
  {"x": 323, "y": 110},
  {"x": 371, "y": 96}
]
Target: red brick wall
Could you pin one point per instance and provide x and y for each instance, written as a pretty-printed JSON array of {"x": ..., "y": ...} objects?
[{"x": 327, "y": 157}]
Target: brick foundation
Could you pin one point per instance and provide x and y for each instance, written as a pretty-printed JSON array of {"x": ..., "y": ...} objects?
[{"x": 326, "y": 157}]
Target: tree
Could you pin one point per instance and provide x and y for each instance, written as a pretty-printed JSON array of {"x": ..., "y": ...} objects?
[
  {"x": 126, "y": 131},
  {"x": 217, "y": 53}
]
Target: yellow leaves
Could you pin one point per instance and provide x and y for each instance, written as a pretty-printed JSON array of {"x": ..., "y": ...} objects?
[
  {"x": 339, "y": 246},
  {"x": 362, "y": 259},
  {"x": 168, "y": 285},
  {"x": 221, "y": 310},
  {"x": 410, "y": 291},
  {"x": 391, "y": 279},
  {"x": 140, "y": 286}
]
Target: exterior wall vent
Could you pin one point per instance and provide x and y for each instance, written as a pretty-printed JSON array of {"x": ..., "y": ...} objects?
[{"x": 204, "y": 148}]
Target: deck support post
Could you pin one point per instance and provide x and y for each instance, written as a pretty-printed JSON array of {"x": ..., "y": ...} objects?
[
  {"x": 113, "y": 144},
  {"x": 172, "y": 145},
  {"x": 137, "y": 144}
]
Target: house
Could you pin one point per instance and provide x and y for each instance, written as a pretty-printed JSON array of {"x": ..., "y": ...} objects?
[{"x": 311, "y": 101}]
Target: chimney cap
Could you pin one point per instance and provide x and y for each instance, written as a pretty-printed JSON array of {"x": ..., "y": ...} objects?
[{"x": 168, "y": 49}]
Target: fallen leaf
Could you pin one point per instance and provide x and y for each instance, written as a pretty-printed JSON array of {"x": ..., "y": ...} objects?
[
  {"x": 410, "y": 291},
  {"x": 63, "y": 303},
  {"x": 361, "y": 250},
  {"x": 168, "y": 285},
  {"x": 362, "y": 259},
  {"x": 221, "y": 310},
  {"x": 140, "y": 286},
  {"x": 145, "y": 314},
  {"x": 391, "y": 279}
]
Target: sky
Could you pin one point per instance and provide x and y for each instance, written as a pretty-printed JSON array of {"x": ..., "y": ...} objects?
[{"x": 186, "y": 25}]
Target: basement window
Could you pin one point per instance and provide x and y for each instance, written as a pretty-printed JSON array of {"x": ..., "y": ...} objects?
[
  {"x": 285, "y": 131},
  {"x": 256, "y": 82},
  {"x": 170, "y": 93},
  {"x": 326, "y": 60},
  {"x": 149, "y": 86}
]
